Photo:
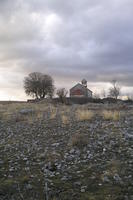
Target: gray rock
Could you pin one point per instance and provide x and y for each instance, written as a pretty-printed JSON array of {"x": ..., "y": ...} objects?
[
  {"x": 117, "y": 178},
  {"x": 106, "y": 179},
  {"x": 26, "y": 111},
  {"x": 78, "y": 183},
  {"x": 25, "y": 159},
  {"x": 77, "y": 152},
  {"x": 72, "y": 151},
  {"x": 59, "y": 166},
  {"x": 83, "y": 189},
  {"x": 64, "y": 178},
  {"x": 42, "y": 155},
  {"x": 29, "y": 186},
  {"x": 129, "y": 136},
  {"x": 1, "y": 162},
  {"x": 11, "y": 169},
  {"x": 55, "y": 144}
]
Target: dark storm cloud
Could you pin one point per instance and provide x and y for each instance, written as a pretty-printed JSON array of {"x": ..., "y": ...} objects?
[{"x": 70, "y": 39}]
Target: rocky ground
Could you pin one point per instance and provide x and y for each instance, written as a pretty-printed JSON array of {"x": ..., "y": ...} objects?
[{"x": 52, "y": 159}]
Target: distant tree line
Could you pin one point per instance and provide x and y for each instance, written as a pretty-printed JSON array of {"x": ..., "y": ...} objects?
[{"x": 40, "y": 86}]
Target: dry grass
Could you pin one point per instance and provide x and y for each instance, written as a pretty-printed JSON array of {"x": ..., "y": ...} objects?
[
  {"x": 15, "y": 107},
  {"x": 53, "y": 115},
  {"x": 19, "y": 118},
  {"x": 83, "y": 115},
  {"x": 113, "y": 167},
  {"x": 12, "y": 111},
  {"x": 64, "y": 119},
  {"x": 111, "y": 115},
  {"x": 53, "y": 112},
  {"x": 79, "y": 140}
]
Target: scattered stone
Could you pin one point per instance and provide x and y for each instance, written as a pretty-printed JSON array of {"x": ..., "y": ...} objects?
[
  {"x": 83, "y": 189},
  {"x": 39, "y": 157},
  {"x": 64, "y": 178},
  {"x": 78, "y": 183},
  {"x": 106, "y": 179},
  {"x": 129, "y": 136},
  {"x": 55, "y": 144},
  {"x": 72, "y": 151},
  {"x": 26, "y": 111},
  {"x": 29, "y": 186},
  {"x": 117, "y": 178}
]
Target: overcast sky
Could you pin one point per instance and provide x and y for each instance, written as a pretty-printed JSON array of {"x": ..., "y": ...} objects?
[{"x": 68, "y": 40}]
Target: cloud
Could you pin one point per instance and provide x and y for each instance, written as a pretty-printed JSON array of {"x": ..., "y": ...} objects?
[{"x": 67, "y": 39}]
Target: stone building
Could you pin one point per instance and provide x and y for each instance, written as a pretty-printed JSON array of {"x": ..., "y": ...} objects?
[{"x": 81, "y": 90}]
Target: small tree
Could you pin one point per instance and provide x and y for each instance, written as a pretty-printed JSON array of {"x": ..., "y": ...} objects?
[
  {"x": 114, "y": 91},
  {"x": 103, "y": 93},
  {"x": 38, "y": 85},
  {"x": 61, "y": 93}
]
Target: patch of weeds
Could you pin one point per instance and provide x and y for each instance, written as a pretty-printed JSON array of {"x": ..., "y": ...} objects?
[
  {"x": 83, "y": 115},
  {"x": 64, "y": 119},
  {"x": 87, "y": 196},
  {"x": 1, "y": 115},
  {"x": 111, "y": 115},
  {"x": 79, "y": 140},
  {"x": 53, "y": 113},
  {"x": 24, "y": 179},
  {"x": 51, "y": 157},
  {"x": 7, "y": 186},
  {"x": 113, "y": 167}
]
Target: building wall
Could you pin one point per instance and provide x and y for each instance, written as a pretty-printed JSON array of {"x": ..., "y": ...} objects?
[
  {"x": 89, "y": 94},
  {"x": 80, "y": 91},
  {"x": 77, "y": 92}
]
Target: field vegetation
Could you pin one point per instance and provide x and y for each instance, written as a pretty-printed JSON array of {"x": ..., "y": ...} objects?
[{"x": 77, "y": 152}]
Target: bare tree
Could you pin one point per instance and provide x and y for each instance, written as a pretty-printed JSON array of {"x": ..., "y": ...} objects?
[
  {"x": 114, "y": 91},
  {"x": 103, "y": 93},
  {"x": 38, "y": 85},
  {"x": 61, "y": 93}
]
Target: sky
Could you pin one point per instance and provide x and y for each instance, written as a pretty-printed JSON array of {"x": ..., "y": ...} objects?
[{"x": 69, "y": 40}]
